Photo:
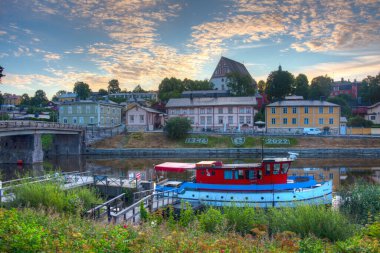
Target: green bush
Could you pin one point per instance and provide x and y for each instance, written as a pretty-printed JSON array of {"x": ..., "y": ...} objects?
[
  {"x": 186, "y": 215},
  {"x": 308, "y": 220},
  {"x": 243, "y": 220},
  {"x": 212, "y": 220},
  {"x": 311, "y": 245},
  {"x": 361, "y": 201},
  {"x": 177, "y": 128}
]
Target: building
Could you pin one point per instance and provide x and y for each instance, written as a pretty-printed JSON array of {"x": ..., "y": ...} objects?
[
  {"x": 90, "y": 113},
  {"x": 215, "y": 113},
  {"x": 224, "y": 67},
  {"x": 11, "y": 99},
  {"x": 67, "y": 97},
  {"x": 143, "y": 118},
  {"x": 132, "y": 97},
  {"x": 291, "y": 116},
  {"x": 345, "y": 87},
  {"x": 373, "y": 113}
]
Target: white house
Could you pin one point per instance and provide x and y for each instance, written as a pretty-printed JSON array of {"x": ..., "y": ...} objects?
[{"x": 143, "y": 118}]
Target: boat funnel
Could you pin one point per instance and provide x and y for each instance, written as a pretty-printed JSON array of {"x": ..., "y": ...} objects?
[{"x": 292, "y": 156}]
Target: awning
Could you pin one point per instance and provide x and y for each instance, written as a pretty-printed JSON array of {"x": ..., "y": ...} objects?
[{"x": 174, "y": 167}]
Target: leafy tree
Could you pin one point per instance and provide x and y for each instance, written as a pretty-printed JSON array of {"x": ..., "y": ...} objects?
[
  {"x": 279, "y": 84},
  {"x": 261, "y": 86},
  {"x": 1, "y": 72},
  {"x": 345, "y": 108},
  {"x": 138, "y": 89},
  {"x": 197, "y": 84},
  {"x": 241, "y": 85},
  {"x": 177, "y": 128},
  {"x": 82, "y": 90},
  {"x": 39, "y": 99},
  {"x": 1, "y": 99},
  {"x": 25, "y": 100},
  {"x": 301, "y": 86},
  {"x": 370, "y": 90},
  {"x": 321, "y": 86},
  {"x": 102, "y": 92},
  {"x": 170, "y": 88},
  {"x": 259, "y": 116},
  {"x": 58, "y": 94},
  {"x": 113, "y": 86},
  {"x": 358, "y": 121}
]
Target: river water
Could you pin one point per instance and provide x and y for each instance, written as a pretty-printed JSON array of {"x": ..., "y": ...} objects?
[{"x": 342, "y": 171}]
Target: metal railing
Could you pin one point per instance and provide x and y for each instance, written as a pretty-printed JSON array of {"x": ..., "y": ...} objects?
[
  {"x": 37, "y": 124},
  {"x": 107, "y": 207}
]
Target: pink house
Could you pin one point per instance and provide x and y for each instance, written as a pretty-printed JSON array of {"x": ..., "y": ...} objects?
[
  {"x": 215, "y": 113},
  {"x": 139, "y": 118}
]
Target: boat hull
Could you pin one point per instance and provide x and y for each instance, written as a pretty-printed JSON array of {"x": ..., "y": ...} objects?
[{"x": 317, "y": 194}]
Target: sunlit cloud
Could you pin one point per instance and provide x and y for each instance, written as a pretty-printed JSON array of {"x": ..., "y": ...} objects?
[{"x": 51, "y": 56}]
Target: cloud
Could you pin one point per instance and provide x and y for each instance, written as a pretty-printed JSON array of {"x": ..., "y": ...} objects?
[
  {"x": 2, "y": 33},
  {"x": 51, "y": 56}
]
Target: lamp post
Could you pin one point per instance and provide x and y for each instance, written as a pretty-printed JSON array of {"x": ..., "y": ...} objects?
[{"x": 261, "y": 124}]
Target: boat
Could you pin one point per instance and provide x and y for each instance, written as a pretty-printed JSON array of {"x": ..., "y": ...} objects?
[{"x": 264, "y": 184}]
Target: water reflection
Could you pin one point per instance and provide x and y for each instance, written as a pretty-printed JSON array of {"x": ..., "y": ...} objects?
[{"x": 341, "y": 171}]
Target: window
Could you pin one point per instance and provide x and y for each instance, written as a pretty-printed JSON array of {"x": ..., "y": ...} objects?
[
  {"x": 79, "y": 109},
  {"x": 248, "y": 119},
  {"x": 61, "y": 110},
  {"x": 184, "y": 111},
  {"x": 141, "y": 118},
  {"x": 320, "y": 110},
  {"x": 294, "y": 121},
  {"x": 230, "y": 110},
  {"x": 276, "y": 168},
  {"x": 372, "y": 117},
  {"x": 209, "y": 110},
  {"x": 241, "y": 174},
  {"x": 248, "y": 110},
  {"x": 285, "y": 110},
  {"x": 74, "y": 120},
  {"x": 320, "y": 121},
  {"x": 273, "y": 109},
  {"x": 331, "y": 110},
  {"x": 306, "y": 121},
  {"x": 228, "y": 174},
  {"x": 177, "y": 111},
  {"x": 91, "y": 120},
  {"x": 331, "y": 175},
  {"x": 241, "y": 110},
  {"x": 132, "y": 118},
  {"x": 306, "y": 109},
  {"x": 101, "y": 109},
  {"x": 230, "y": 119},
  {"x": 285, "y": 167},
  {"x": 65, "y": 120},
  {"x": 273, "y": 121},
  {"x": 203, "y": 120},
  {"x": 331, "y": 121},
  {"x": 267, "y": 169},
  {"x": 220, "y": 119},
  {"x": 69, "y": 110},
  {"x": 113, "y": 110},
  {"x": 294, "y": 110},
  {"x": 220, "y": 110},
  {"x": 81, "y": 121},
  {"x": 191, "y": 119},
  {"x": 191, "y": 111},
  {"x": 285, "y": 121},
  {"x": 209, "y": 120},
  {"x": 202, "y": 111},
  {"x": 88, "y": 109},
  {"x": 241, "y": 119}
]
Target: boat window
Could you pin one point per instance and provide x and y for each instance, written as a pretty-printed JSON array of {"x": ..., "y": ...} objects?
[
  {"x": 285, "y": 167},
  {"x": 251, "y": 174},
  {"x": 213, "y": 173},
  {"x": 267, "y": 169},
  {"x": 236, "y": 174},
  {"x": 259, "y": 174},
  {"x": 228, "y": 174},
  {"x": 241, "y": 174},
  {"x": 276, "y": 169},
  {"x": 202, "y": 172}
]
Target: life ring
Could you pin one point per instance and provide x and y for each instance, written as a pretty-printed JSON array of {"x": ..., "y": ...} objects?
[{"x": 298, "y": 190}]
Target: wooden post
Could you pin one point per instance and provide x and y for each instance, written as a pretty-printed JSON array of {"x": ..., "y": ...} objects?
[
  {"x": 133, "y": 215},
  {"x": 109, "y": 212}
]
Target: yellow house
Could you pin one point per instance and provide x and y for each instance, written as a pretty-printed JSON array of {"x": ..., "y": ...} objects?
[{"x": 292, "y": 116}]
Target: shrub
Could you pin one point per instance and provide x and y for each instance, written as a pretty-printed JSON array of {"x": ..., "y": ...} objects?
[
  {"x": 177, "y": 128},
  {"x": 242, "y": 220},
  {"x": 186, "y": 214},
  {"x": 143, "y": 212},
  {"x": 311, "y": 245},
  {"x": 361, "y": 201},
  {"x": 308, "y": 220},
  {"x": 212, "y": 220}
]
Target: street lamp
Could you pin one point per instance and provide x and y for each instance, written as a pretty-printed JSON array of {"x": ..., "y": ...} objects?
[{"x": 261, "y": 124}]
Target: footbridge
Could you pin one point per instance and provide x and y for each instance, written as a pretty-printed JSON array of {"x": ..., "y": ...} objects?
[{"x": 21, "y": 140}]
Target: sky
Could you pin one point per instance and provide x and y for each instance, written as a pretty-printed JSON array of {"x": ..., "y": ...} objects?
[{"x": 51, "y": 44}]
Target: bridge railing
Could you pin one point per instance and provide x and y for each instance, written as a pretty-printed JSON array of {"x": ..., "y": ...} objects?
[{"x": 37, "y": 124}]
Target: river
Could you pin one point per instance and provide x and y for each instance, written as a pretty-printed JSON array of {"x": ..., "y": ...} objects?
[{"x": 342, "y": 171}]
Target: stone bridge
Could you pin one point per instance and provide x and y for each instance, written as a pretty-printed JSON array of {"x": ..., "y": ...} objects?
[{"x": 21, "y": 140}]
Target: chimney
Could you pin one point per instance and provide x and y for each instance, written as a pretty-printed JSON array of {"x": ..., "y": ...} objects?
[{"x": 342, "y": 79}]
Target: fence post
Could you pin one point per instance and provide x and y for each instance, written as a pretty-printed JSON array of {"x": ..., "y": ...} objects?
[{"x": 109, "y": 212}]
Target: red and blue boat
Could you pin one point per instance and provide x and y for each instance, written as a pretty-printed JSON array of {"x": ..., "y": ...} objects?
[{"x": 264, "y": 184}]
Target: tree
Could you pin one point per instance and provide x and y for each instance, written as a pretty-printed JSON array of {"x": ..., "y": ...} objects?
[
  {"x": 170, "y": 88},
  {"x": 345, "y": 108},
  {"x": 1, "y": 99},
  {"x": 301, "y": 86},
  {"x": 358, "y": 121},
  {"x": 25, "y": 100},
  {"x": 370, "y": 90},
  {"x": 39, "y": 99},
  {"x": 321, "y": 86},
  {"x": 241, "y": 85},
  {"x": 58, "y": 94},
  {"x": 113, "y": 86},
  {"x": 82, "y": 90},
  {"x": 261, "y": 85},
  {"x": 197, "y": 84},
  {"x": 102, "y": 92},
  {"x": 138, "y": 89},
  {"x": 1, "y": 72},
  {"x": 279, "y": 84},
  {"x": 177, "y": 128}
]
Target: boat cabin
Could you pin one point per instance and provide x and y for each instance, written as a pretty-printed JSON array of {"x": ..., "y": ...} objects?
[{"x": 270, "y": 171}]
